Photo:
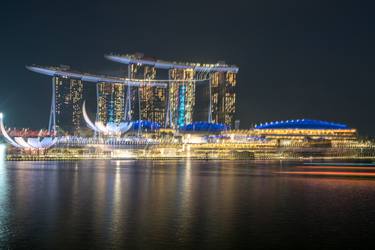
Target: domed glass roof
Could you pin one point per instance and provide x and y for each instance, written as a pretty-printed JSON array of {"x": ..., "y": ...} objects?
[
  {"x": 204, "y": 126},
  {"x": 301, "y": 124}
]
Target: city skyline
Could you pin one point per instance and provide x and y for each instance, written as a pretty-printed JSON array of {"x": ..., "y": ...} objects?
[{"x": 140, "y": 93}]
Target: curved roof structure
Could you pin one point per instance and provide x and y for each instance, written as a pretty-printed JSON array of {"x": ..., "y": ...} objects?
[
  {"x": 30, "y": 143},
  {"x": 203, "y": 127},
  {"x": 161, "y": 64},
  {"x": 66, "y": 72},
  {"x": 301, "y": 124},
  {"x": 62, "y": 72},
  {"x": 110, "y": 128}
]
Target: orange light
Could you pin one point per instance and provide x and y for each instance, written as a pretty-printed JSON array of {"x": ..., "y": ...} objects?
[
  {"x": 335, "y": 167},
  {"x": 320, "y": 173}
]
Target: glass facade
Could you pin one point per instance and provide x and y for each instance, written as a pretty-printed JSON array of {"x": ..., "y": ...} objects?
[
  {"x": 191, "y": 92},
  {"x": 110, "y": 102},
  {"x": 68, "y": 104},
  {"x": 148, "y": 103},
  {"x": 181, "y": 96},
  {"x": 223, "y": 97}
]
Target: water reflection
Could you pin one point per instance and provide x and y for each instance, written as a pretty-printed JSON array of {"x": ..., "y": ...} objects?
[
  {"x": 4, "y": 210},
  {"x": 190, "y": 204}
]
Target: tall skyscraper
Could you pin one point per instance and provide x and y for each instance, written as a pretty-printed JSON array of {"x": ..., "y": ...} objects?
[
  {"x": 110, "y": 102},
  {"x": 181, "y": 96},
  {"x": 223, "y": 97},
  {"x": 187, "y": 98},
  {"x": 68, "y": 103},
  {"x": 147, "y": 102}
]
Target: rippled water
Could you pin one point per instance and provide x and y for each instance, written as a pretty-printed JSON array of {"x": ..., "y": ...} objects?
[{"x": 179, "y": 204}]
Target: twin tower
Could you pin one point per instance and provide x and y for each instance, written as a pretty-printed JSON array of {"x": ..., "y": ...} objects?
[{"x": 173, "y": 94}]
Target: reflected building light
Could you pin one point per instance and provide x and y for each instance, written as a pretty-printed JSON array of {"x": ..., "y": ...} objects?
[
  {"x": 3, "y": 187},
  {"x": 2, "y": 151}
]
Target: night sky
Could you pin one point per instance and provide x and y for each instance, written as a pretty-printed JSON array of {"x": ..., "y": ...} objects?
[{"x": 297, "y": 59}]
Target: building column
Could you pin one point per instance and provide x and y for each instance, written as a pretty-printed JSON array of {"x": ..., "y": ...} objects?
[
  {"x": 52, "y": 117},
  {"x": 210, "y": 102},
  {"x": 167, "y": 113},
  {"x": 127, "y": 105}
]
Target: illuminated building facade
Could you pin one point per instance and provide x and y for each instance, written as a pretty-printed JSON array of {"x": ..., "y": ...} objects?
[
  {"x": 172, "y": 102},
  {"x": 296, "y": 131},
  {"x": 68, "y": 102},
  {"x": 67, "y": 97},
  {"x": 181, "y": 97},
  {"x": 110, "y": 102},
  {"x": 183, "y": 105},
  {"x": 147, "y": 102},
  {"x": 164, "y": 106},
  {"x": 223, "y": 97}
]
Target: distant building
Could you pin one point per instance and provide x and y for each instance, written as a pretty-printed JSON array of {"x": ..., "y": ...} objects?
[
  {"x": 223, "y": 97},
  {"x": 110, "y": 102},
  {"x": 147, "y": 102},
  {"x": 182, "y": 97},
  {"x": 187, "y": 93},
  {"x": 185, "y": 101},
  {"x": 298, "y": 131},
  {"x": 68, "y": 103},
  {"x": 112, "y": 105}
]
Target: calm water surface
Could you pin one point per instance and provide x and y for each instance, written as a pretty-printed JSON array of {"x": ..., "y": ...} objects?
[{"x": 179, "y": 204}]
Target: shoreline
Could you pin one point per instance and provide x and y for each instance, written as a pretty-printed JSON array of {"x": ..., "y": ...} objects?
[{"x": 305, "y": 159}]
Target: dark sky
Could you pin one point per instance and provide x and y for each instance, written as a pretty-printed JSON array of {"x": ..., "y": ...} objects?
[{"x": 297, "y": 59}]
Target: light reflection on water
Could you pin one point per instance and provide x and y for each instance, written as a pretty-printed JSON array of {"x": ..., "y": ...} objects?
[
  {"x": 177, "y": 204},
  {"x": 4, "y": 230}
]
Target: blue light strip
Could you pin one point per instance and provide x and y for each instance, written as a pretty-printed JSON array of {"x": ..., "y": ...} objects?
[
  {"x": 301, "y": 124},
  {"x": 204, "y": 126},
  {"x": 181, "y": 106},
  {"x": 111, "y": 108}
]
